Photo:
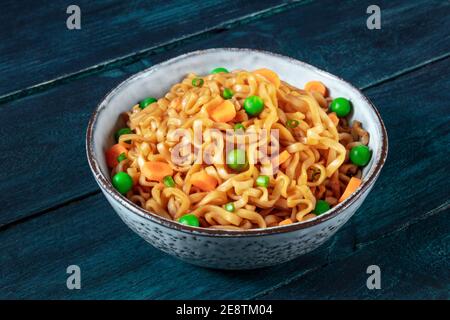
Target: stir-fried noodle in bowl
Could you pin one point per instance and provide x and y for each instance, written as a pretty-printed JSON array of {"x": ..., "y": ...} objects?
[{"x": 239, "y": 150}]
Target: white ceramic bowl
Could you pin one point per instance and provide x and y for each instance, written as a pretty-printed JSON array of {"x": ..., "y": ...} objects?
[{"x": 220, "y": 248}]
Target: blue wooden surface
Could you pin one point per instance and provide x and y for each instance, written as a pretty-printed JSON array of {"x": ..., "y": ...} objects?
[
  {"x": 34, "y": 34},
  {"x": 54, "y": 216}
]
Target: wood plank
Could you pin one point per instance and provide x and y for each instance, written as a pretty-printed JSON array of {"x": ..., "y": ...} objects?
[
  {"x": 319, "y": 28},
  {"x": 38, "y": 41},
  {"x": 52, "y": 123},
  {"x": 118, "y": 264},
  {"x": 414, "y": 264}
]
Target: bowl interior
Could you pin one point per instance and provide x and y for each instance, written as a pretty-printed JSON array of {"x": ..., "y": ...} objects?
[{"x": 157, "y": 80}]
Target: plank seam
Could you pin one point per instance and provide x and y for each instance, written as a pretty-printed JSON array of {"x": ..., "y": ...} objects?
[
  {"x": 406, "y": 71},
  {"x": 42, "y": 212},
  {"x": 139, "y": 55}
]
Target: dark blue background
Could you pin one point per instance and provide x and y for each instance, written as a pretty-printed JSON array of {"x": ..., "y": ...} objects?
[{"x": 53, "y": 214}]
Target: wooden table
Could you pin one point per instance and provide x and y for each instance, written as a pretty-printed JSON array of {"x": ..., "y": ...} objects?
[{"x": 53, "y": 214}]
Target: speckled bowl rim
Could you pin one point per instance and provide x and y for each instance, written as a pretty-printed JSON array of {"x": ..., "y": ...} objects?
[{"x": 106, "y": 185}]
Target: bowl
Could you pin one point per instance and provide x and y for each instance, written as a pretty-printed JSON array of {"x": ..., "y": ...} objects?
[{"x": 229, "y": 249}]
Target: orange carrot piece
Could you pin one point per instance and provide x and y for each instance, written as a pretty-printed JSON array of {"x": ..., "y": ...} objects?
[
  {"x": 334, "y": 118},
  {"x": 224, "y": 112},
  {"x": 316, "y": 86},
  {"x": 156, "y": 170},
  {"x": 112, "y": 153},
  {"x": 285, "y": 222},
  {"x": 203, "y": 181},
  {"x": 269, "y": 75},
  {"x": 353, "y": 184}
]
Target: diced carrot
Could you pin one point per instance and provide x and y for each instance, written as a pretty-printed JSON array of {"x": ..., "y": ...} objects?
[
  {"x": 316, "y": 86},
  {"x": 285, "y": 222},
  {"x": 334, "y": 118},
  {"x": 203, "y": 181},
  {"x": 353, "y": 184},
  {"x": 269, "y": 75},
  {"x": 112, "y": 153},
  {"x": 224, "y": 112},
  {"x": 156, "y": 170},
  {"x": 283, "y": 156}
]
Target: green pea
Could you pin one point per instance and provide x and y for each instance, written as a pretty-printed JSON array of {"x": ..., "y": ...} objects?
[
  {"x": 121, "y": 157},
  {"x": 237, "y": 160},
  {"x": 146, "y": 102},
  {"x": 168, "y": 181},
  {"x": 190, "y": 220},
  {"x": 360, "y": 155},
  {"x": 253, "y": 105},
  {"x": 341, "y": 106},
  {"x": 321, "y": 207},
  {"x": 122, "y": 182},
  {"x": 230, "y": 207},
  {"x": 121, "y": 132},
  {"x": 291, "y": 123},
  {"x": 227, "y": 93},
  {"x": 238, "y": 126},
  {"x": 262, "y": 181},
  {"x": 197, "y": 82},
  {"x": 219, "y": 70}
]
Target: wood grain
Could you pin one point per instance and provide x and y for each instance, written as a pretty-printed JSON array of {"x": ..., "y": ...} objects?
[
  {"x": 397, "y": 217},
  {"x": 37, "y": 46},
  {"x": 49, "y": 127}
]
